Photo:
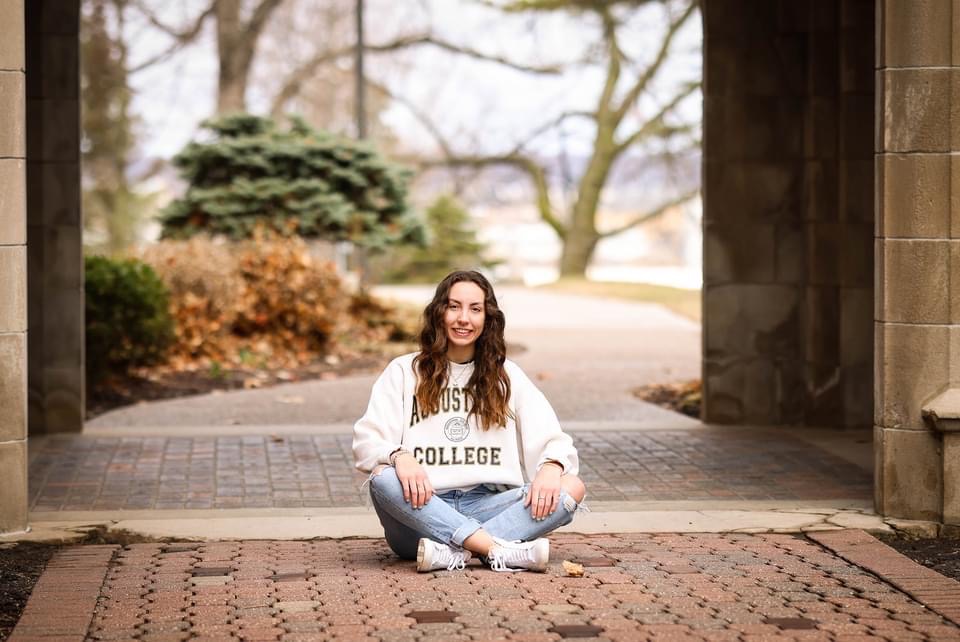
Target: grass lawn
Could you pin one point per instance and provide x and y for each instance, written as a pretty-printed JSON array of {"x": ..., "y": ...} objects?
[{"x": 684, "y": 302}]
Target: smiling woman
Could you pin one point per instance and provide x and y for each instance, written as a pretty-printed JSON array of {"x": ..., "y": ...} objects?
[{"x": 460, "y": 422}]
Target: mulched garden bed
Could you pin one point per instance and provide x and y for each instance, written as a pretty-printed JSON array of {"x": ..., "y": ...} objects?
[
  {"x": 680, "y": 396},
  {"x": 20, "y": 567},
  {"x": 942, "y": 555}
]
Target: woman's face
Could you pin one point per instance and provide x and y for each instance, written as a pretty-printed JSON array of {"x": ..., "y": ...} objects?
[{"x": 463, "y": 319}]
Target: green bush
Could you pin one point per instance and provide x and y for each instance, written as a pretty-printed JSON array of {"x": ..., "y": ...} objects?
[
  {"x": 128, "y": 321},
  {"x": 299, "y": 182},
  {"x": 452, "y": 245}
]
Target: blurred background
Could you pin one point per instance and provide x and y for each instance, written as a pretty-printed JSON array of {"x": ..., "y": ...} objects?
[{"x": 253, "y": 170}]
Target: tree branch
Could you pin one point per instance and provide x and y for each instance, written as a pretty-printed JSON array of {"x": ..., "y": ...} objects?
[
  {"x": 303, "y": 73},
  {"x": 181, "y": 37},
  {"x": 536, "y": 173},
  {"x": 536, "y": 133},
  {"x": 646, "y": 216},
  {"x": 651, "y": 71},
  {"x": 613, "y": 69},
  {"x": 656, "y": 125},
  {"x": 260, "y": 16}
]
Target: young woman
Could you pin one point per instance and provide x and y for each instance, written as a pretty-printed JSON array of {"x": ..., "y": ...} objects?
[{"x": 451, "y": 433}]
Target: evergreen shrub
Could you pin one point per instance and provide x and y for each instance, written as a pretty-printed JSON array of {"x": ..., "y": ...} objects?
[
  {"x": 301, "y": 182},
  {"x": 452, "y": 244},
  {"x": 128, "y": 323}
]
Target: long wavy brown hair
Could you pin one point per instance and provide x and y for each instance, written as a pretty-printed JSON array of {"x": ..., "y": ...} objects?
[{"x": 489, "y": 387}]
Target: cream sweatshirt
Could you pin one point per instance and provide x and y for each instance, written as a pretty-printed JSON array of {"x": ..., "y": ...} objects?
[{"x": 456, "y": 453}]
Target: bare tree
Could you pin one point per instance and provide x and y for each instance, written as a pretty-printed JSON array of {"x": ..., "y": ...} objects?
[{"x": 615, "y": 125}]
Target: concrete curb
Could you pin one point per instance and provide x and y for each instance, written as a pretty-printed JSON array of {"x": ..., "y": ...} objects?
[{"x": 360, "y": 521}]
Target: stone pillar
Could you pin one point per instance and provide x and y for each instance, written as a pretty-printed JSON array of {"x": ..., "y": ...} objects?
[
  {"x": 788, "y": 212},
  {"x": 918, "y": 247},
  {"x": 13, "y": 270},
  {"x": 54, "y": 226}
]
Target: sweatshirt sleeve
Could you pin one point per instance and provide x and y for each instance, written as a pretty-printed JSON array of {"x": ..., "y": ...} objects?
[
  {"x": 380, "y": 431},
  {"x": 540, "y": 431}
]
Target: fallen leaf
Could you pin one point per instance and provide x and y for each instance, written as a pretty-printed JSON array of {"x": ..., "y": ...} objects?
[
  {"x": 290, "y": 399},
  {"x": 544, "y": 375},
  {"x": 572, "y": 568},
  {"x": 249, "y": 384}
]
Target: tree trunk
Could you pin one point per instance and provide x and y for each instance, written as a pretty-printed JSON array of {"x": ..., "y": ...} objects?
[
  {"x": 235, "y": 50},
  {"x": 577, "y": 252}
]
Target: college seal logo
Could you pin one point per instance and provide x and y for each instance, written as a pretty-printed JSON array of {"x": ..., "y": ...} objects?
[{"x": 456, "y": 429}]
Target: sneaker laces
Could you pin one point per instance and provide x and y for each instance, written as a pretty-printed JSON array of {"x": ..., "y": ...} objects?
[
  {"x": 502, "y": 557},
  {"x": 455, "y": 560}
]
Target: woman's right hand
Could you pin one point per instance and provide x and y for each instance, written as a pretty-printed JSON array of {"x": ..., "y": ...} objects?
[{"x": 417, "y": 489}]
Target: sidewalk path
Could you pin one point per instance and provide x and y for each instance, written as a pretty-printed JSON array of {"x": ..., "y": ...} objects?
[
  {"x": 636, "y": 587},
  {"x": 586, "y": 354}
]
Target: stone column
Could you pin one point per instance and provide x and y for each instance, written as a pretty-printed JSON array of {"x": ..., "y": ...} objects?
[
  {"x": 788, "y": 212},
  {"x": 54, "y": 222},
  {"x": 918, "y": 247},
  {"x": 13, "y": 270}
]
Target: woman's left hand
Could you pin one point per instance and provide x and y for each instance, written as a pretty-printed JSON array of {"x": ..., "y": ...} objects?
[{"x": 544, "y": 495}]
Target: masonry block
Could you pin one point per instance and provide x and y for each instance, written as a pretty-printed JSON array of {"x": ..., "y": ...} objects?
[
  {"x": 917, "y": 33},
  {"x": 753, "y": 321},
  {"x": 739, "y": 253},
  {"x": 954, "y": 339},
  {"x": 59, "y": 137},
  {"x": 951, "y": 478},
  {"x": 953, "y": 278},
  {"x": 824, "y": 388},
  {"x": 856, "y": 190},
  {"x": 822, "y": 325},
  {"x": 821, "y": 189},
  {"x": 910, "y": 367},
  {"x": 13, "y": 386},
  {"x": 915, "y": 281},
  {"x": 824, "y": 253},
  {"x": 856, "y": 328},
  {"x": 912, "y": 474},
  {"x": 13, "y": 201},
  {"x": 13, "y": 481},
  {"x": 54, "y": 192},
  {"x": 856, "y": 258},
  {"x": 914, "y": 192},
  {"x": 918, "y": 110},
  {"x": 857, "y": 395},
  {"x": 13, "y": 107},
  {"x": 790, "y": 253},
  {"x": 13, "y": 288},
  {"x": 12, "y": 43}
]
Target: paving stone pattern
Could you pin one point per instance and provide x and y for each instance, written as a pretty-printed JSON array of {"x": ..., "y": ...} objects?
[
  {"x": 109, "y": 473},
  {"x": 653, "y": 587}
]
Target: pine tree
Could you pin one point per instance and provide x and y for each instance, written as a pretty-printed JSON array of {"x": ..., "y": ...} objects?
[{"x": 296, "y": 182}]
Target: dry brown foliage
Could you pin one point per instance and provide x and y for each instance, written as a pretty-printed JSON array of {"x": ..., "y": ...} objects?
[{"x": 265, "y": 300}]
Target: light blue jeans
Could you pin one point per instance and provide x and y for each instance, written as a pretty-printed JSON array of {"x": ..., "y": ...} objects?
[{"x": 455, "y": 515}]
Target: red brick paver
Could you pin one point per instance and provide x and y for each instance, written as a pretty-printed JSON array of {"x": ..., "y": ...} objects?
[
  {"x": 660, "y": 587},
  {"x": 935, "y": 591},
  {"x": 63, "y": 600}
]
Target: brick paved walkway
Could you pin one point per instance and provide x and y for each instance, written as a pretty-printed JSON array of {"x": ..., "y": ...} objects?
[
  {"x": 107, "y": 473},
  {"x": 636, "y": 587}
]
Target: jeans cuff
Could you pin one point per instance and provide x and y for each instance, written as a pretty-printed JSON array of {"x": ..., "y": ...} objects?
[{"x": 466, "y": 530}]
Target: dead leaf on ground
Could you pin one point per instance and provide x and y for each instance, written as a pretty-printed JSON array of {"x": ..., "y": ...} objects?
[
  {"x": 543, "y": 375},
  {"x": 290, "y": 399},
  {"x": 572, "y": 569}
]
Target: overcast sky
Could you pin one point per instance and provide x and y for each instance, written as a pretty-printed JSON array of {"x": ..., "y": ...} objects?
[{"x": 477, "y": 104}]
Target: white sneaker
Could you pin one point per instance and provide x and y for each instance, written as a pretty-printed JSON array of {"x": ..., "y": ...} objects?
[
  {"x": 433, "y": 555},
  {"x": 520, "y": 556}
]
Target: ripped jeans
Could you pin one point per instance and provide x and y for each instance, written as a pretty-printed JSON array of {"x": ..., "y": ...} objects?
[{"x": 453, "y": 516}]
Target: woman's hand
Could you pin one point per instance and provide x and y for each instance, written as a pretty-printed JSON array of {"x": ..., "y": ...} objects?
[
  {"x": 544, "y": 495},
  {"x": 417, "y": 489}
]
